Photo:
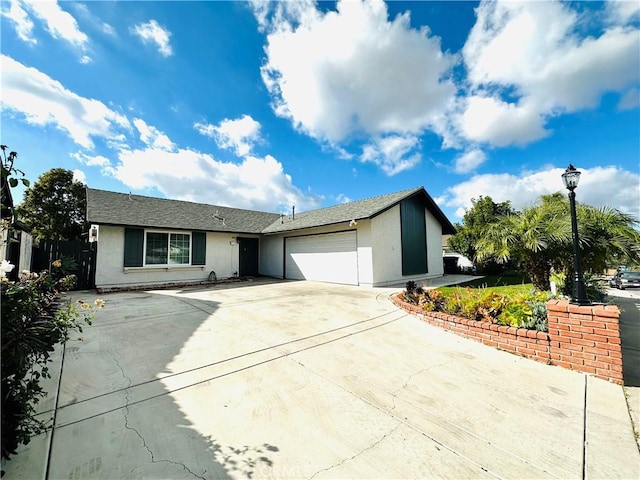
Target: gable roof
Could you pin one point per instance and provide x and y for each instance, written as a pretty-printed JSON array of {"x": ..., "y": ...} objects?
[
  {"x": 123, "y": 209},
  {"x": 358, "y": 210}
]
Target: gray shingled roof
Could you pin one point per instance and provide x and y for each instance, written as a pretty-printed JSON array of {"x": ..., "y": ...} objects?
[
  {"x": 112, "y": 208},
  {"x": 367, "y": 208},
  {"x": 134, "y": 210}
]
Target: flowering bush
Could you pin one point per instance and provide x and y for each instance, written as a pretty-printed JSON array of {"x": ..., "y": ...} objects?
[
  {"x": 511, "y": 306},
  {"x": 35, "y": 318}
]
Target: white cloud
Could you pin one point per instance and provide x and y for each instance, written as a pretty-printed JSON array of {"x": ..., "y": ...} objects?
[
  {"x": 342, "y": 198},
  {"x": 93, "y": 20},
  {"x": 256, "y": 183},
  {"x": 352, "y": 70},
  {"x": 21, "y": 21},
  {"x": 491, "y": 120},
  {"x": 469, "y": 160},
  {"x": 92, "y": 160},
  {"x": 152, "y": 32},
  {"x": 239, "y": 135},
  {"x": 44, "y": 101},
  {"x": 532, "y": 53},
  {"x": 598, "y": 186},
  {"x": 108, "y": 29},
  {"x": 79, "y": 176},
  {"x": 393, "y": 153},
  {"x": 152, "y": 137},
  {"x": 60, "y": 24},
  {"x": 623, "y": 11}
]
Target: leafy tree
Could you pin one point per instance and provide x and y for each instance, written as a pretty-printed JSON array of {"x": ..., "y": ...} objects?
[
  {"x": 54, "y": 207},
  {"x": 539, "y": 238},
  {"x": 483, "y": 212}
]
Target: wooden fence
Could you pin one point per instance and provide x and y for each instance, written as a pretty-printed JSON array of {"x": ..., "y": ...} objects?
[{"x": 83, "y": 253}]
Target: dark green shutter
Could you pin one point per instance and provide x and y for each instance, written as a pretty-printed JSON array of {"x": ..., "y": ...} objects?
[
  {"x": 198, "y": 248},
  {"x": 414, "y": 236},
  {"x": 133, "y": 247}
]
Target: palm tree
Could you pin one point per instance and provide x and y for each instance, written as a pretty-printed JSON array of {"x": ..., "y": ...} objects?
[
  {"x": 607, "y": 235},
  {"x": 536, "y": 238},
  {"x": 539, "y": 238}
]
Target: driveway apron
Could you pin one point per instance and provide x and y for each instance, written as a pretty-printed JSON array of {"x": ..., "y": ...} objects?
[{"x": 309, "y": 380}]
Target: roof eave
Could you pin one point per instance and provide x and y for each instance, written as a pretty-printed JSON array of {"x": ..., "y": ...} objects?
[
  {"x": 297, "y": 228},
  {"x": 186, "y": 229}
]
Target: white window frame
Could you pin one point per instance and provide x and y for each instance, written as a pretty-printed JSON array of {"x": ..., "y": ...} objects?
[{"x": 168, "y": 233}]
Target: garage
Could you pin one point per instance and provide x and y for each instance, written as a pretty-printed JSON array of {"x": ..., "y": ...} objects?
[{"x": 330, "y": 257}]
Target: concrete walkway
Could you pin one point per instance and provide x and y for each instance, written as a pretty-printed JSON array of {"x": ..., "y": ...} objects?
[{"x": 310, "y": 380}]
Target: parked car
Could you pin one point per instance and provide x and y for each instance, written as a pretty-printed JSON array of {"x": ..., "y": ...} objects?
[{"x": 627, "y": 279}]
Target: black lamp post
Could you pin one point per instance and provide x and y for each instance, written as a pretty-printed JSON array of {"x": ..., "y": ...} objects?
[{"x": 570, "y": 178}]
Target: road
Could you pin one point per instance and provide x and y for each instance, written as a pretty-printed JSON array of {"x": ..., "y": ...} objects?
[{"x": 628, "y": 301}]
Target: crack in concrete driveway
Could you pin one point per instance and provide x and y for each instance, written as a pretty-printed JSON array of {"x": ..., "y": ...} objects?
[{"x": 137, "y": 432}]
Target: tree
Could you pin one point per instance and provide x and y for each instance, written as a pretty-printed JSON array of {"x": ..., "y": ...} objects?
[
  {"x": 54, "y": 207},
  {"x": 483, "y": 212},
  {"x": 540, "y": 239},
  {"x": 607, "y": 236}
]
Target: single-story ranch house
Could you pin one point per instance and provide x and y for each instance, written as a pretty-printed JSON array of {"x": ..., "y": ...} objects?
[{"x": 385, "y": 240}]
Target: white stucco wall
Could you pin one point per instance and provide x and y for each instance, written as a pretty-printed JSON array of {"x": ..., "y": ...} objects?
[
  {"x": 435, "y": 265},
  {"x": 272, "y": 256},
  {"x": 387, "y": 249},
  {"x": 365, "y": 253},
  {"x": 222, "y": 257}
]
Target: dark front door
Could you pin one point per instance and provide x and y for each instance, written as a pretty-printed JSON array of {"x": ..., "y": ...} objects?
[{"x": 248, "y": 256}]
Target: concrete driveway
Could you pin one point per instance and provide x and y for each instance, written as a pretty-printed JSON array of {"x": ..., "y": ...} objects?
[{"x": 309, "y": 380}]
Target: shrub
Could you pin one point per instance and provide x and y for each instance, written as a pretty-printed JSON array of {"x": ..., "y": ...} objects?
[
  {"x": 35, "y": 318},
  {"x": 512, "y": 305},
  {"x": 595, "y": 289},
  {"x": 413, "y": 292}
]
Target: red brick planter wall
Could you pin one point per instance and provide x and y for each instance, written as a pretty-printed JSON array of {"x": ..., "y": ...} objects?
[
  {"x": 586, "y": 338},
  {"x": 579, "y": 338}
]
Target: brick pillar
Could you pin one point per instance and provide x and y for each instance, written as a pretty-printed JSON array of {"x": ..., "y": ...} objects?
[{"x": 586, "y": 338}]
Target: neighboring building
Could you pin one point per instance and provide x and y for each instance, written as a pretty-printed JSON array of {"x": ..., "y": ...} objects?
[
  {"x": 379, "y": 241},
  {"x": 15, "y": 241},
  {"x": 456, "y": 263}
]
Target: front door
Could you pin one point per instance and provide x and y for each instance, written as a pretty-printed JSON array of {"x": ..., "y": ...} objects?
[{"x": 248, "y": 256}]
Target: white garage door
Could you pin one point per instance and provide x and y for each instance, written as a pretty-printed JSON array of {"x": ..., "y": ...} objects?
[{"x": 331, "y": 257}]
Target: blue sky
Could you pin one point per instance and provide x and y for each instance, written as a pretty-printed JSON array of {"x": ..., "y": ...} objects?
[{"x": 267, "y": 105}]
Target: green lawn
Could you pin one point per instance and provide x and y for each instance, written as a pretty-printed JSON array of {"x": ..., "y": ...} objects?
[
  {"x": 508, "y": 283},
  {"x": 501, "y": 289}
]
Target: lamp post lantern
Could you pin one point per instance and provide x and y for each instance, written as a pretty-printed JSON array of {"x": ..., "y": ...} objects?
[{"x": 570, "y": 178}]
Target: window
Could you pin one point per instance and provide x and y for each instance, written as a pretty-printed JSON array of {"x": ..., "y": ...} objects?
[
  {"x": 179, "y": 248},
  {"x": 148, "y": 247},
  {"x": 167, "y": 248}
]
